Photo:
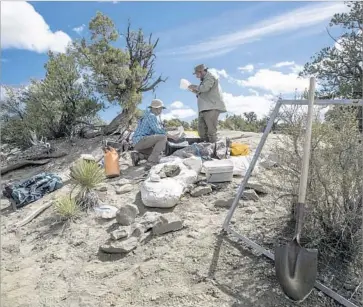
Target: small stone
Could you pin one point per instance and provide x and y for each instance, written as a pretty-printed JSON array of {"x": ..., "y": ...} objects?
[
  {"x": 137, "y": 230},
  {"x": 124, "y": 189},
  {"x": 224, "y": 203},
  {"x": 201, "y": 190},
  {"x": 169, "y": 222},
  {"x": 126, "y": 214},
  {"x": 145, "y": 237},
  {"x": 251, "y": 210},
  {"x": 150, "y": 219},
  {"x": 162, "y": 175},
  {"x": 259, "y": 216},
  {"x": 119, "y": 234},
  {"x": 250, "y": 195},
  {"x": 101, "y": 188},
  {"x": 120, "y": 247},
  {"x": 259, "y": 188},
  {"x": 122, "y": 182}
]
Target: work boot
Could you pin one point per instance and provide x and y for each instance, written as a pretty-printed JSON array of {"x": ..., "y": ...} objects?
[{"x": 135, "y": 158}]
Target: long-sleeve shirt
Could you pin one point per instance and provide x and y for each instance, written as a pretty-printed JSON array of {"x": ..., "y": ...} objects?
[
  {"x": 209, "y": 94},
  {"x": 148, "y": 125}
]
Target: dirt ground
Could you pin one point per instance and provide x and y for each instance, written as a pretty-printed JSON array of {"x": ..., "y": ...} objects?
[{"x": 49, "y": 263}]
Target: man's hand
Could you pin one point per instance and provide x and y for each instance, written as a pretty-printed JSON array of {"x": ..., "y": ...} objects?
[{"x": 193, "y": 88}]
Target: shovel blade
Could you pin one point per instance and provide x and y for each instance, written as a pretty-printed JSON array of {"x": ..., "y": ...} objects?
[{"x": 296, "y": 270}]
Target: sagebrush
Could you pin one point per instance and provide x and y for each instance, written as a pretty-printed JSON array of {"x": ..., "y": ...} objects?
[{"x": 334, "y": 197}]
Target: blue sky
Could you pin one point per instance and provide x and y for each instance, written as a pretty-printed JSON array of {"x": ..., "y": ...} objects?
[{"x": 255, "y": 48}]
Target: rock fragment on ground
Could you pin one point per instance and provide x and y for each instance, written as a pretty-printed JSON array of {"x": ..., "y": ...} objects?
[
  {"x": 106, "y": 211},
  {"x": 102, "y": 187},
  {"x": 250, "y": 195},
  {"x": 122, "y": 181},
  {"x": 126, "y": 215},
  {"x": 150, "y": 219},
  {"x": 201, "y": 190},
  {"x": 168, "y": 222},
  {"x": 259, "y": 188},
  {"x": 120, "y": 246},
  {"x": 124, "y": 189},
  {"x": 120, "y": 233}
]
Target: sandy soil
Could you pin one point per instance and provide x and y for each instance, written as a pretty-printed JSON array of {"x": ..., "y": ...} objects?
[{"x": 47, "y": 263}]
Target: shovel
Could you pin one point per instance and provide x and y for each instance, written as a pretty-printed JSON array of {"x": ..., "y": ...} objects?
[{"x": 295, "y": 266}]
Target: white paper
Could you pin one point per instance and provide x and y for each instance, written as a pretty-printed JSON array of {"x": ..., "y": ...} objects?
[{"x": 184, "y": 83}]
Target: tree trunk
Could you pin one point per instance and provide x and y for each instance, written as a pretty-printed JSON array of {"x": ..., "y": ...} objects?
[{"x": 122, "y": 120}]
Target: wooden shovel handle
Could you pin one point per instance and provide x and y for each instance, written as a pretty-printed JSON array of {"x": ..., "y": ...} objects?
[
  {"x": 299, "y": 216},
  {"x": 307, "y": 144}
]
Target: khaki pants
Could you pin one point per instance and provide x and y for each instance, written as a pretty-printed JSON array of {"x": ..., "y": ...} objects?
[
  {"x": 152, "y": 146},
  {"x": 207, "y": 125}
]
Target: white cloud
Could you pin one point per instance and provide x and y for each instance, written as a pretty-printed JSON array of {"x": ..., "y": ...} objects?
[
  {"x": 301, "y": 18},
  {"x": 275, "y": 82},
  {"x": 282, "y": 64},
  {"x": 177, "y": 105},
  {"x": 218, "y": 73},
  {"x": 240, "y": 104},
  {"x": 24, "y": 28},
  {"x": 295, "y": 68},
  {"x": 79, "y": 29},
  {"x": 178, "y": 113},
  {"x": 253, "y": 92},
  {"x": 248, "y": 68}
]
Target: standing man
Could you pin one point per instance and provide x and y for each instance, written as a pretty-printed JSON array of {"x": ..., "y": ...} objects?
[
  {"x": 210, "y": 103},
  {"x": 150, "y": 137}
]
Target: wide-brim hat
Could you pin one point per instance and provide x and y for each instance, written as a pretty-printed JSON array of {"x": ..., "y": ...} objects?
[
  {"x": 200, "y": 68},
  {"x": 157, "y": 104}
]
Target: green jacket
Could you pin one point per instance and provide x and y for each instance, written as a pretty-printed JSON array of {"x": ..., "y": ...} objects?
[{"x": 210, "y": 94}]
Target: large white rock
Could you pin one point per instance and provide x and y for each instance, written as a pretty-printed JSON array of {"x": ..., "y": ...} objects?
[
  {"x": 194, "y": 163},
  {"x": 167, "y": 192}
]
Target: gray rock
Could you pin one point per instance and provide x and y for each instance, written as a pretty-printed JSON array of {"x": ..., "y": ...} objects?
[
  {"x": 137, "y": 230},
  {"x": 145, "y": 237},
  {"x": 224, "y": 203},
  {"x": 168, "y": 222},
  {"x": 251, "y": 210},
  {"x": 120, "y": 233},
  {"x": 201, "y": 190},
  {"x": 124, "y": 189},
  {"x": 101, "y": 188},
  {"x": 150, "y": 219},
  {"x": 120, "y": 246},
  {"x": 171, "y": 170},
  {"x": 122, "y": 182},
  {"x": 250, "y": 195},
  {"x": 259, "y": 188},
  {"x": 126, "y": 214}
]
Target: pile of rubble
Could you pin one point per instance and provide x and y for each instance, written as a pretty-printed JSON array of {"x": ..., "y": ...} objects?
[{"x": 131, "y": 230}]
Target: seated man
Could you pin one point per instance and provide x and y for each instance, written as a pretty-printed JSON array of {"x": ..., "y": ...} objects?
[{"x": 150, "y": 137}]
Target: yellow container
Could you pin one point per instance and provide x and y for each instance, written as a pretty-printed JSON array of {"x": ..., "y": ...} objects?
[{"x": 238, "y": 149}]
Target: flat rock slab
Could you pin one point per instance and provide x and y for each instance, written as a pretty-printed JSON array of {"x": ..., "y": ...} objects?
[
  {"x": 124, "y": 189},
  {"x": 150, "y": 219},
  {"x": 168, "y": 222},
  {"x": 120, "y": 247},
  {"x": 119, "y": 233},
  {"x": 259, "y": 188},
  {"x": 201, "y": 190},
  {"x": 250, "y": 195},
  {"x": 122, "y": 182},
  {"x": 126, "y": 215}
]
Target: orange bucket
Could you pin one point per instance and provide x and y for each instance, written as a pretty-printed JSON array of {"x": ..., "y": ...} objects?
[{"x": 112, "y": 167}]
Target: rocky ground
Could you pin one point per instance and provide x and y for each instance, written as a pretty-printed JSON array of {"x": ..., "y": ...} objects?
[{"x": 49, "y": 263}]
